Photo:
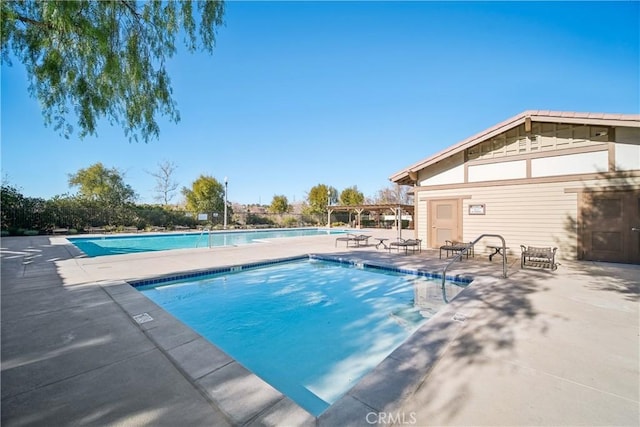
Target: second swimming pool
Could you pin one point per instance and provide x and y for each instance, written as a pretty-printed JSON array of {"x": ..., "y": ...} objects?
[
  {"x": 118, "y": 245},
  {"x": 311, "y": 328}
]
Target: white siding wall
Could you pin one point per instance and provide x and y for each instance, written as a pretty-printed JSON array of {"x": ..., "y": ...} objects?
[
  {"x": 449, "y": 171},
  {"x": 627, "y": 157},
  {"x": 497, "y": 171},
  {"x": 421, "y": 221},
  {"x": 528, "y": 214},
  {"x": 536, "y": 215},
  {"x": 570, "y": 164},
  {"x": 455, "y": 175}
]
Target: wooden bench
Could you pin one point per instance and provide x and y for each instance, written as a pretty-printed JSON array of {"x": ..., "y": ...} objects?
[{"x": 538, "y": 257}]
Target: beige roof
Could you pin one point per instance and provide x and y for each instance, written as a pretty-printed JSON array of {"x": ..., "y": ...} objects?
[{"x": 602, "y": 119}]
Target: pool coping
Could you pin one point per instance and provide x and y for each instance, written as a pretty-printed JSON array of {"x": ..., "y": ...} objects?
[
  {"x": 246, "y": 399},
  {"x": 169, "y": 277}
]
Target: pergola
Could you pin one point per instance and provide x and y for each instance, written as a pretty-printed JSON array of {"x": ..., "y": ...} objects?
[{"x": 396, "y": 209}]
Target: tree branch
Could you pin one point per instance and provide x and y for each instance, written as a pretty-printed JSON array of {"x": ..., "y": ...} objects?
[
  {"x": 30, "y": 21},
  {"x": 131, "y": 8}
]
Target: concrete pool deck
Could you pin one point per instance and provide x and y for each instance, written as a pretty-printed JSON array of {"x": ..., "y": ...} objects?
[{"x": 537, "y": 348}]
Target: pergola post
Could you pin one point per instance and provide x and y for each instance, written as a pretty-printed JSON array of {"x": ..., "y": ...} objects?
[
  {"x": 399, "y": 221},
  {"x": 359, "y": 212},
  {"x": 329, "y": 212}
]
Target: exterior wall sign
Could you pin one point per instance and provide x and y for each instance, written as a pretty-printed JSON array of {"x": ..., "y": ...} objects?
[{"x": 477, "y": 209}]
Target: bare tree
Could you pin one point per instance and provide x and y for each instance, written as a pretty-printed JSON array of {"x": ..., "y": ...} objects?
[
  {"x": 393, "y": 194},
  {"x": 166, "y": 186}
]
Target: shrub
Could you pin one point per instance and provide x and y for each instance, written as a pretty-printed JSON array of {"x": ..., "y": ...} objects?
[
  {"x": 290, "y": 222},
  {"x": 254, "y": 219}
]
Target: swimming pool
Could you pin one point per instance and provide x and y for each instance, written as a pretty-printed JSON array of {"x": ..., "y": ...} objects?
[
  {"x": 312, "y": 327},
  {"x": 117, "y": 245}
]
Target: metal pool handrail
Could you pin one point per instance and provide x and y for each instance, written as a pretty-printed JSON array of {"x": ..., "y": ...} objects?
[
  {"x": 469, "y": 246},
  {"x": 208, "y": 231}
]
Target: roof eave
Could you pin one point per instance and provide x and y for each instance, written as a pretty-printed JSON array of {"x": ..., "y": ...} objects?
[{"x": 403, "y": 177}]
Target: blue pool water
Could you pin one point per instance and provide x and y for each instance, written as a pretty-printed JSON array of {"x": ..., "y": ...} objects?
[
  {"x": 115, "y": 245},
  {"x": 310, "y": 328}
]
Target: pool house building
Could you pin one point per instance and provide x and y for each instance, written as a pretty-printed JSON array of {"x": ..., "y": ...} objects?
[{"x": 542, "y": 178}]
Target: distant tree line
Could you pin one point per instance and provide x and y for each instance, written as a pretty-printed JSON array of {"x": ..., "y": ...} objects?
[
  {"x": 31, "y": 215},
  {"x": 103, "y": 199}
]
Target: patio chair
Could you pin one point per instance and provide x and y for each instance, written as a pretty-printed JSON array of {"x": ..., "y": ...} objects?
[
  {"x": 408, "y": 244},
  {"x": 455, "y": 246},
  {"x": 538, "y": 257},
  {"x": 357, "y": 239}
]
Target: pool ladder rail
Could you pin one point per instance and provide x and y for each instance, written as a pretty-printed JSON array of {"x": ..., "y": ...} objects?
[
  {"x": 464, "y": 251},
  {"x": 208, "y": 231}
]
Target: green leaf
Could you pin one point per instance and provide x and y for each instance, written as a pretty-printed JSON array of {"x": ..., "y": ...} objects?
[{"x": 104, "y": 58}]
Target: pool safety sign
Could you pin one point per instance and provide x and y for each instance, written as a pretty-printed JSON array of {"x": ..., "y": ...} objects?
[{"x": 142, "y": 318}]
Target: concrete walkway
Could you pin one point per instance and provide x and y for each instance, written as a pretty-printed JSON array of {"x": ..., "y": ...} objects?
[{"x": 537, "y": 348}]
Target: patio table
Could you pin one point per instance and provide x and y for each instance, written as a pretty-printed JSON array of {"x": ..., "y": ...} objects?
[
  {"x": 381, "y": 241},
  {"x": 497, "y": 250}
]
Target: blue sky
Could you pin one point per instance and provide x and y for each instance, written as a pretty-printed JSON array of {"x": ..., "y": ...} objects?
[{"x": 344, "y": 93}]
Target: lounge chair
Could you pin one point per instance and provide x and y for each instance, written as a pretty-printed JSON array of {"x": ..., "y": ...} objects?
[
  {"x": 538, "y": 257},
  {"x": 413, "y": 244},
  {"x": 357, "y": 239},
  {"x": 454, "y": 247}
]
